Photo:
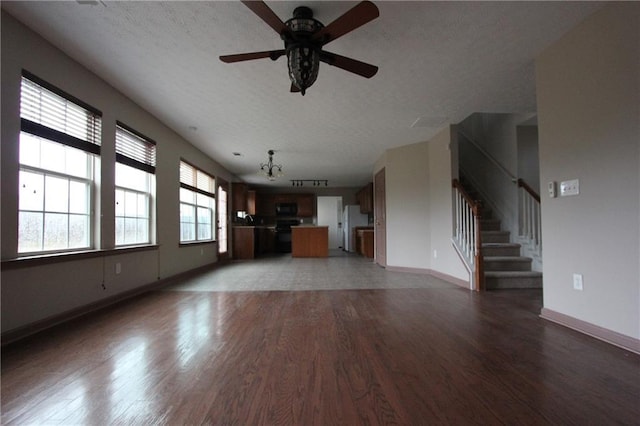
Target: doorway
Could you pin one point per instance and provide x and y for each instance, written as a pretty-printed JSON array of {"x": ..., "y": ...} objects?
[
  {"x": 223, "y": 219},
  {"x": 330, "y": 214}
]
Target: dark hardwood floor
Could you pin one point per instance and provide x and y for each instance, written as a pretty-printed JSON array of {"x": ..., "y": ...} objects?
[{"x": 351, "y": 357}]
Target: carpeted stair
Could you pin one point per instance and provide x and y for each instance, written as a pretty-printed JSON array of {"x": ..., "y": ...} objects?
[{"x": 503, "y": 265}]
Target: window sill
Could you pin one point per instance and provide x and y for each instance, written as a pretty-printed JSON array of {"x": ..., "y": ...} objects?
[
  {"x": 196, "y": 243},
  {"x": 48, "y": 259}
]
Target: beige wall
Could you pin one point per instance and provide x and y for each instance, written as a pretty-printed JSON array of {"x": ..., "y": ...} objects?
[
  {"x": 444, "y": 258},
  {"x": 419, "y": 207},
  {"x": 32, "y": 294},
  {"x": 407, "y": 201},
  {"x": 588, "y": 117}
]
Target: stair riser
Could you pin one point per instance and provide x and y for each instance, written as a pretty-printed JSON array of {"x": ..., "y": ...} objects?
[
  {"x": 504, "y": 265},
  {"x": 495, "y": 238},
  {"x": 492, "y": 283},
  {"x": 490, "y": 224},
  {"x": 501, "y": 251}
]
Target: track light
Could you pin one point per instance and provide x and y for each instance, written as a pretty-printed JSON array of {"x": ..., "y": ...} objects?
[{"x": 315, "y": 182}]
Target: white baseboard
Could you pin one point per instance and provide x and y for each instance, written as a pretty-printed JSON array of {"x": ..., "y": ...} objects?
[{"x": 617, "y": 339}]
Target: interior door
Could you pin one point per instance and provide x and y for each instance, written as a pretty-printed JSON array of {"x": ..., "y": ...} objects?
[
  {"x": 222, "y": 221},
  {"x": 379, "y": 213},
  {"x": 330, "y": 214}
]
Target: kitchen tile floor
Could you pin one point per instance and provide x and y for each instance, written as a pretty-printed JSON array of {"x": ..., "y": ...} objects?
[{"x": 340, "y": 271}]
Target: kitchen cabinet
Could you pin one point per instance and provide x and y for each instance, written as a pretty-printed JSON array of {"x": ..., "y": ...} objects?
[
  {"x": 365, "y": 198},
  {"x": 305, "y": 205},
  {"x": 285, "y": 198},
  {"x": 252, "y": 241},
  {"x": 251, "y": 202},
  {"x": 265, "y": 204},
  {"x": 266, "y": 240},
  {"x": 243, "y": 242},
  {"x": 239, "y": 196},
  {"x": 365, "y": 242},
  {"x": 309, "y": 241}
]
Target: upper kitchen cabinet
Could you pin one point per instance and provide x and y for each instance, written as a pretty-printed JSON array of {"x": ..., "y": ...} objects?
[
  {"x": 265, "y": 204},
  {"x": 305, "y": 205},
  {"x": 243, "y": 198},
  {"x": 239, "y": 196},
  {"x": 365, "y": 198},
  {"x": 251, "y": 202}
]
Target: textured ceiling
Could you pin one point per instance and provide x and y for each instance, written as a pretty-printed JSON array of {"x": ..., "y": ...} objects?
[{"x": 439, "y": 62}]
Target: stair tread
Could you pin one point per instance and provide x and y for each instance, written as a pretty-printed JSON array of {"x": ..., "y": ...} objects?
[
  {"x": 514, "y": 274},
  {"x": 507, "y": 258},
  {"x": 496, "y": 232},
  {"x": 501, "y": 245}
]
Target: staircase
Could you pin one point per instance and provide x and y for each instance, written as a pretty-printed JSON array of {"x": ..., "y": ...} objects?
[{"x": 504, "y": 267}]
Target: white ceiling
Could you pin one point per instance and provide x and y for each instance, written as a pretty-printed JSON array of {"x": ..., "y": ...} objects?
[{"x": 439, "y": 62}]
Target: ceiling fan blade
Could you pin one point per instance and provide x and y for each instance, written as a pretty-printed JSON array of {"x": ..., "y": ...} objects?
[
  {"x": 357, "y": 16},
  {"x": 265, "y": 13},
  {"x": 273, "y": 54},
  {"x": 348, "y": 64}
]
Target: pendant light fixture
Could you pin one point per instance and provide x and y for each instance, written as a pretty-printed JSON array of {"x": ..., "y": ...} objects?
[{"x": 270, "y": 170}]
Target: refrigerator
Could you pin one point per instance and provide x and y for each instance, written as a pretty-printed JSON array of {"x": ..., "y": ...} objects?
[{"x": 350, "y": 219}]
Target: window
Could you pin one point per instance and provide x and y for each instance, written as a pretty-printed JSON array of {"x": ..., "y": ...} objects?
[
  {"x": 197, "y": 204},
  {"x": 135, "y": 170},
  {"x": 59, "y": 147}
]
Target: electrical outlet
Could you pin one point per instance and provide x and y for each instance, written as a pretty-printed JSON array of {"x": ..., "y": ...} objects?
[
  {"x": 435, "y": 253},
  {"x": 118, "y": 268},
  {"x": 577, "y": 282}
]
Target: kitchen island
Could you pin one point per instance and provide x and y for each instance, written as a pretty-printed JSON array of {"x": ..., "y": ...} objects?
[{"x": 309, "y": 241}]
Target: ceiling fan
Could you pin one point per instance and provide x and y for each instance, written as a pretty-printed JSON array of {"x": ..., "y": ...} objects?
[{"x": 304, "y": 39}]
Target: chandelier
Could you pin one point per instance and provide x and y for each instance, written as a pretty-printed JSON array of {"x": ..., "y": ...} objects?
[{"x": 270, "y": 170}]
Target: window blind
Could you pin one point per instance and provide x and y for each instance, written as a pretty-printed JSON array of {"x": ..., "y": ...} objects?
[
  {"x": 56, "y": 116},
  {"x": 135, "y": 150},
  {"x": 195, "y": 179}
]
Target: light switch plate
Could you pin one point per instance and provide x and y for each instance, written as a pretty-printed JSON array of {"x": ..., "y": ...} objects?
[{"x": 569, "y": 187}]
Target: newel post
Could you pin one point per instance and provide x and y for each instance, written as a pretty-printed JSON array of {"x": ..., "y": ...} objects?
[{"x": 479, "y": 261}]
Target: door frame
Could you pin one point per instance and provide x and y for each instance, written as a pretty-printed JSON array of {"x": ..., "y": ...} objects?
[
  {"x": 380, "y": 217},
  {"x": 222, "y": 183}
]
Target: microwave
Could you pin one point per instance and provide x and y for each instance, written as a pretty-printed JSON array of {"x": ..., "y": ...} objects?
[{"x": 286, "y": 209}]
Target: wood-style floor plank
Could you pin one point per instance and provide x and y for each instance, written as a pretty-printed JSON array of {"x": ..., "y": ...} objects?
[{"x": 351, "y": 357}]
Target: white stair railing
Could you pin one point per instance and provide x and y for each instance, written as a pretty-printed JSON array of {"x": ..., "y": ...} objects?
[
  {"x": 466, "y": 232},
  {"x": 530, "y": 222}
]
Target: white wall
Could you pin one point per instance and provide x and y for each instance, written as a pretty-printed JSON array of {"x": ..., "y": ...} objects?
[
  {"x": 419, "y": 207},
  {"x": 35, "y": 293},
  {"x": 588, "y": 122}
]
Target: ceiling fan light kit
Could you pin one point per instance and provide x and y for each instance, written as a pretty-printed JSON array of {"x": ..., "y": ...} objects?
[{"x": 304, "y": 38}]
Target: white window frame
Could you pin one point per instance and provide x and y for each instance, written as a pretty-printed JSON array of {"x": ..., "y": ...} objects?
[
  {"x": 136, "y": 151},
  {"x": 199, "y": 186},
  {"x": 149, "y": 218},
  {"x": 44, "y": 211},
  {"x": 53, "y": 116}
]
